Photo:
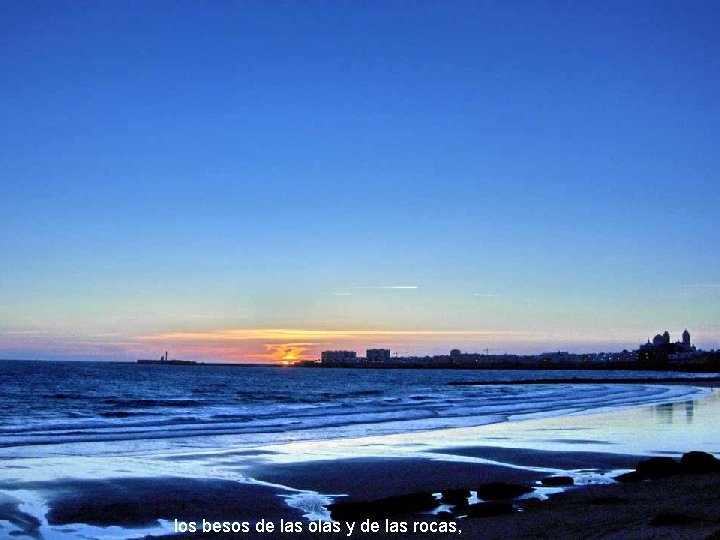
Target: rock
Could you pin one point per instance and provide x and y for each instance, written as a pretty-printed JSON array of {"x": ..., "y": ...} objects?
[
  {"x": 457, "y": 497},
  {"x": 699, "y": 462},
  {"x": 500, "y": 490},
  {"x": 658, "y": 467},
  {"x": 391, "y": 506},
  {"x": 489, "y": 509},
  {"x": 554, "y": 481},
  {"x": 670, "y": 518},
  {"x": 632, "y": 476}
]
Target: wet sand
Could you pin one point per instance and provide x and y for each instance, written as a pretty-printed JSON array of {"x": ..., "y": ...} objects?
[
  {"x": 613, "y": 510},
  {"x": 600, "y": 461},
  {"x": 686, "y": 506},
  {"x": 364, "y": 479}
]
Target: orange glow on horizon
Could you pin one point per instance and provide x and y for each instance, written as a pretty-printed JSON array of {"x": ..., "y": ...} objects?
[
  {"x": 289, "y": 345},
  {"x": 293, "y": 333}
]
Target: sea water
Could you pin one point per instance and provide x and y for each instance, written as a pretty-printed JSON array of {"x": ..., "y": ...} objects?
[{"x": 51, "y": 408}]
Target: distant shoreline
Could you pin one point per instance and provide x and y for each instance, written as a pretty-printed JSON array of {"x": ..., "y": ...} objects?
[
  {"x": 608, "y": 380},
  {"x": 513, "y": 367}
]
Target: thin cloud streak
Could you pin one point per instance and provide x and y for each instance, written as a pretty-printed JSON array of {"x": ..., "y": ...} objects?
[
  {"x": 287, "y": 334},
  {"x": 401, "y": 287}
]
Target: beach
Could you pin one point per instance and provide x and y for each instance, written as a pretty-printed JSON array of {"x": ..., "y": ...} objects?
[
  {"x": 610, "y": 510},
  {"x": 131, "y": 487}
]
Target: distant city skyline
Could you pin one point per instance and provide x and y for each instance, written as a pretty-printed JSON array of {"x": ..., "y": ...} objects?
[
  {"x": 230, "y": 346},
  {"x": 260, "y": 181}
]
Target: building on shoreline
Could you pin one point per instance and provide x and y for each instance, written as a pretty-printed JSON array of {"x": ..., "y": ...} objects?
[
  {"x": 165, "y": 361},
  {"x": 661, "y": 351},
  {"x": 377, "y": 355},
  {"x": 331, "y": 357},
  {"x": 658, "y": 353}
]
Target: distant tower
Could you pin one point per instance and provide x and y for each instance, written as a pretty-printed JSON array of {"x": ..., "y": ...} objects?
[
  {"x": 686, "y": 338},
  {"x": 666, "y": 336},
  {"x": 166, "y": 356}
]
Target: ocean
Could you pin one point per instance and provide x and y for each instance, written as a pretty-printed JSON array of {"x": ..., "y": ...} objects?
[{"x": 50, "y": 408}]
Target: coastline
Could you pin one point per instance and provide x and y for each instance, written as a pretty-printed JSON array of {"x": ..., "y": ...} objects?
[{"x": 293, "y": 480}]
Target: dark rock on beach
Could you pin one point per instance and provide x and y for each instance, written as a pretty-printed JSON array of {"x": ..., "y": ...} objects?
[
  {"x": 496, "y": 491},
  {"x": 699, "y": 462},
  {"x": 632, "y": 476},
  {"x": 489, "y": 509},
  {"x": 457, "y": 497},
  {"x": 658, "y": 467},
  {"x": 555, "y": 481},
  {"x": 391, "y": 506}
]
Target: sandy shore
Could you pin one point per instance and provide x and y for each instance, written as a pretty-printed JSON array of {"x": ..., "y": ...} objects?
[{"x": 689, "y": 503}]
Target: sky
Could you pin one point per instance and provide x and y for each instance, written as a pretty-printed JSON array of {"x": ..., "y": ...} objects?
[{"x": 254, "y": 181}]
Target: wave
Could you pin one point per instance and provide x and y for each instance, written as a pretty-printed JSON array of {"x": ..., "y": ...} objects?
[
  {"x": 153, "y": 402},
  {"x": 357, "y": 412}
]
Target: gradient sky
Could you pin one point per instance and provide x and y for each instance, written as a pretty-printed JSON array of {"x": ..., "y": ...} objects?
[{"x": 257, "y": 180}]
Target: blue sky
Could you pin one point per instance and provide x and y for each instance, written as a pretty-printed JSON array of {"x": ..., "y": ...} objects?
[{"x": 179, "y": 174}]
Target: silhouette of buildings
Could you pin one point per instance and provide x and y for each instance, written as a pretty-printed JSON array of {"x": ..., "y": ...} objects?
[
  {"x": 338, "y": 356},
  {"x": 658, "y": 353},
  {"x": 377, "y": 355},
  {"x": 165, "y": 360},
  {"x": 662, "y": 351}
]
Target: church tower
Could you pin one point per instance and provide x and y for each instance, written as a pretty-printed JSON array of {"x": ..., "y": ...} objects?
[{"x": 686, "y": 338}]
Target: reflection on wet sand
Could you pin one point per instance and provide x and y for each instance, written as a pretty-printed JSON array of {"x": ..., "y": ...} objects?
[
  {"x": 666, "y": 429},
  {"x": 665, "y": 413}
]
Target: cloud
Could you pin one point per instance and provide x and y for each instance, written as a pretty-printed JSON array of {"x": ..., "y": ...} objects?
[
  {"x": 302, "y": 335},
  {"x": 26, "y": 333},
  {"x": 286, "y": 352},
  {"x": 346, "y": 292},
  {"x": 366, "y": 287},
  {"x": 386, "y": 287}
]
